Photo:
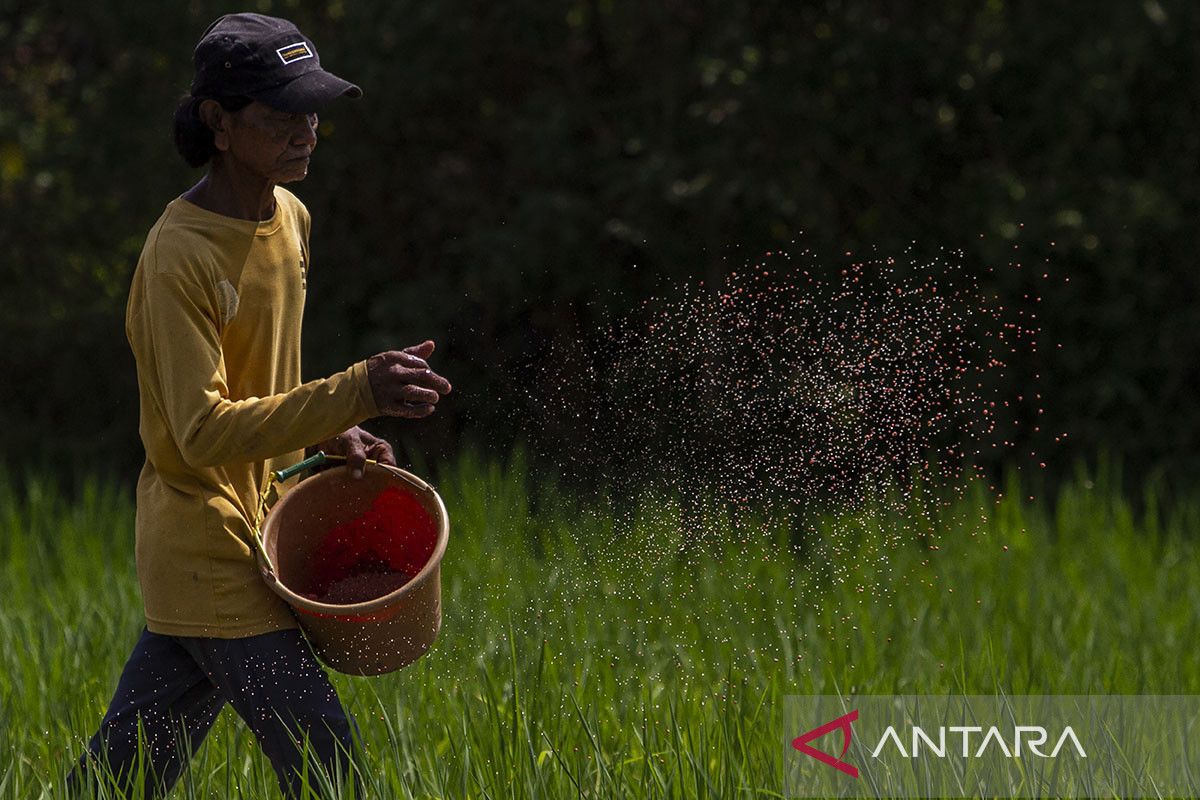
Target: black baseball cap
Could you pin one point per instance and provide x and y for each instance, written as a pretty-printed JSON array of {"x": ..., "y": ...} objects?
[{"x": 266, "y": 59}]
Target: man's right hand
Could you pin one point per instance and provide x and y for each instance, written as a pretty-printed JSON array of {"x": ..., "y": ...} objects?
[{"x": 403, "y": 384}]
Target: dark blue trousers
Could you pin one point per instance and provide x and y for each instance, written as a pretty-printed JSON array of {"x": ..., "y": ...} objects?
[{"x": 173, "y": 688}]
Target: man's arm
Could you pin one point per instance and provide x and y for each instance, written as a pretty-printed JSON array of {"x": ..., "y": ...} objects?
[
  {"x": 211, "y": 429},
  {"x": 208, "y": 427}
]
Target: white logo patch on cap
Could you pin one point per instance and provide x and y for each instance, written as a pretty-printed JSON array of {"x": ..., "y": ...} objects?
[{"x": 294, "y": 52}]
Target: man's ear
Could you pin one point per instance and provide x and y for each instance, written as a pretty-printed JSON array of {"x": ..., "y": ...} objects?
[{"x": 217, "y": 120}]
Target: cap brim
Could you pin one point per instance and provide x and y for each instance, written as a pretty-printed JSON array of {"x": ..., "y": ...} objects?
[{"x": 308, "y": 92}]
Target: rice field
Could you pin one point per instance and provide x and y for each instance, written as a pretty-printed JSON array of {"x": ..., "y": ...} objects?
[{"x": 586, "y": 653}]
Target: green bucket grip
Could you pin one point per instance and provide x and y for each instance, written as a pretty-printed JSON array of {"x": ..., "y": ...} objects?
[{"x": 281, "y": 475}]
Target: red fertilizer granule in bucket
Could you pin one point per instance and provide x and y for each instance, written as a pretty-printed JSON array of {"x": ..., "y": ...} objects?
[
  {"x": 367, "y": 579},
  {"x": 373, "y": 554}
]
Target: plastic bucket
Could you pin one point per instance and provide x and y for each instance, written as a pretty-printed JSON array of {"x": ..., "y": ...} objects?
[{"x": 367, "y": 638}]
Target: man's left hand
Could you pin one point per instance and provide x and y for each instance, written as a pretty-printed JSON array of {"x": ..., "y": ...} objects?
[{"x": 357, "y": 446}]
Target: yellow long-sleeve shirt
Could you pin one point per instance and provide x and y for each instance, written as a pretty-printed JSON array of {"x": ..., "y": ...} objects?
[{"x": 214, "y": 320}]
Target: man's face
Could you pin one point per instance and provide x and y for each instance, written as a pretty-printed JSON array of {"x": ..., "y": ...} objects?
[{"x": 273, "y": 144}]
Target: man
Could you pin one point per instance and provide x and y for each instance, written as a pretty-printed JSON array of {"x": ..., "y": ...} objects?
[{"x": 214, "y": 321}]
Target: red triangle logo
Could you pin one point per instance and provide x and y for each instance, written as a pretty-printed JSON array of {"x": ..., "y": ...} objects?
[{"x": 841, "y": 723}]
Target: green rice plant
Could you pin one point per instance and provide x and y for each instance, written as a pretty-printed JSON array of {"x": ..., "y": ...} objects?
[{"x": 592, "y": 653}]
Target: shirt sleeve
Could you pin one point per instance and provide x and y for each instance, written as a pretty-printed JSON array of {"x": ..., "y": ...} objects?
[{"x": 210, "y": 429}]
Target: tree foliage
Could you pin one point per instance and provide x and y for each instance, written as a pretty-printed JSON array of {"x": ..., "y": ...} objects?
[{"x": 518, "y": 172}]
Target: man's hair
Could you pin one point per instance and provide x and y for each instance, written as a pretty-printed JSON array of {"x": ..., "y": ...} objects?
[{"x": 193, "y": 138}]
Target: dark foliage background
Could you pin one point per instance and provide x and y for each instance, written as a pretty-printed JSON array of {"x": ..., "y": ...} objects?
[{"x": 519, "y": 172}]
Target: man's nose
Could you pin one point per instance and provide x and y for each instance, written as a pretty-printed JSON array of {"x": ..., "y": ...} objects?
[{"x": 306, "y": 133}]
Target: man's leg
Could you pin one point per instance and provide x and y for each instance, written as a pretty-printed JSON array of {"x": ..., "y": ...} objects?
[
  {"x": 165, "y": 696},
  {"x": 275, "y": 683}
]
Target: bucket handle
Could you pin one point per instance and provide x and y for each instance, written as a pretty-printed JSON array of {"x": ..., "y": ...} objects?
[{"x": 281, "y": 475}]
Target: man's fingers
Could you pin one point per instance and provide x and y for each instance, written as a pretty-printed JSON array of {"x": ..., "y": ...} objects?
[
  {"x": 402, "y": 383},
  {"x": 400, "y": 377},
  {"x": 419, "y": 395},
  {"x": 381, "y": 451},
  {"x": 408, "y": 368},
  {"x": 422, "y": 350},
  {"x": 356, "y": 456},
  {"x": 406, "y": 359},
  {"x": 430, "y": 380},
  {"x": 411, "y": 411}
]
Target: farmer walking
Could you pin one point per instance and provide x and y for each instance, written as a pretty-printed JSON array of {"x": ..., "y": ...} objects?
[{"x": 214, "y": 322}]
